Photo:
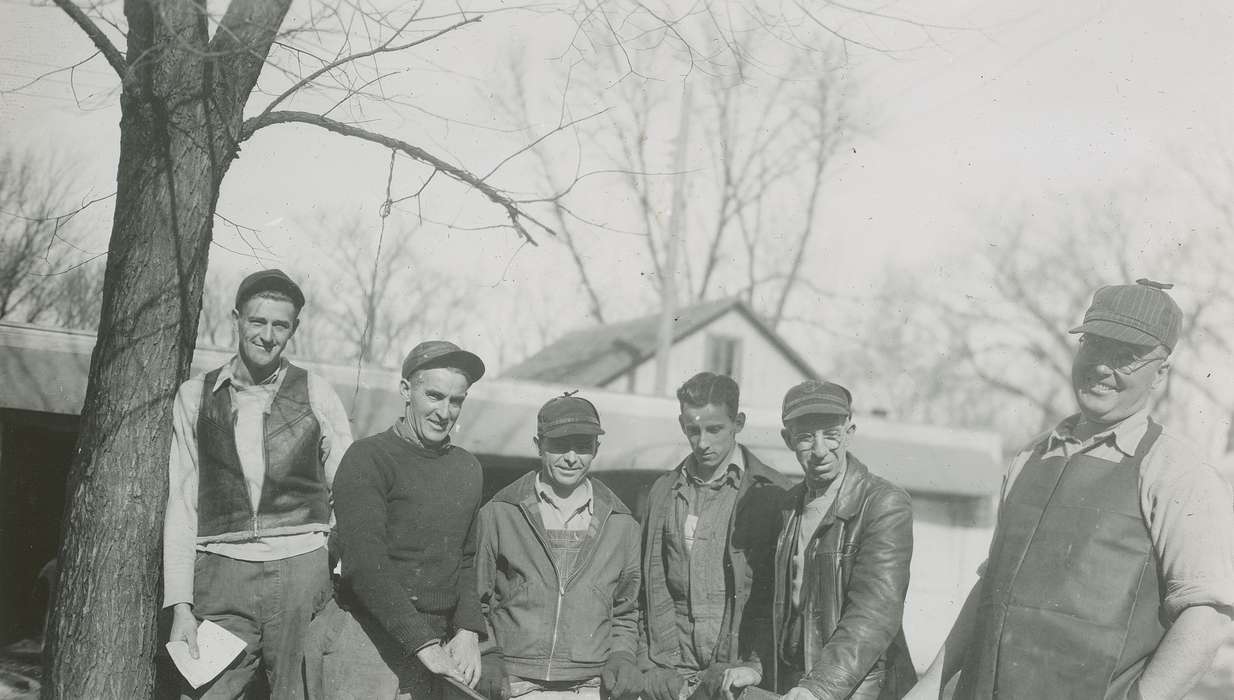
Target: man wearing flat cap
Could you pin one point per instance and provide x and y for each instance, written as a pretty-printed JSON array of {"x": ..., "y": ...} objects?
[
  {"x": 558, "y": 566},
  {"x": 406, "y": 614},
  {"x": 842, "y": 559},
  {"x": 255, "y": 444},
  {"x": 1111, "y": 573}
]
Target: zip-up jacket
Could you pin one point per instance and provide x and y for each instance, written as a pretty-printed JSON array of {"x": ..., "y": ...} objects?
[{"x": 547, "y": 630}]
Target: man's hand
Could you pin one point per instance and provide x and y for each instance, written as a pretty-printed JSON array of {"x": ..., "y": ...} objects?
[
  {"x": 720, "y": 679},
  {"x": 799, "y": 693},
  {"x": 464, "y": 648},
  {"x": 662, "y": 684},
  {"x": 621, "y": 677},
  {"x": 437, "y": 661},
  {"x": 494, "y": 681},
  {"x": 739, "y": 677},
  {"x": 184, "y": 627}
]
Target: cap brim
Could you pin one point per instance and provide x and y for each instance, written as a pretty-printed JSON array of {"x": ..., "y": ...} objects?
[
  {"x": 469, "y": 362},
  {"x": 815, "y": 410},
  {"x": 1116, "y": 331},
  {"x": 573, "y": 429}
]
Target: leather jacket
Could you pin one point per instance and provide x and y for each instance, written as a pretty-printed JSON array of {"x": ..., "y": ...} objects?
[{"x": 855, "y": 570}]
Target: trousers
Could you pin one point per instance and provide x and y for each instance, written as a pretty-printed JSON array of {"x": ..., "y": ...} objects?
[{"x": 268, "y": 604}]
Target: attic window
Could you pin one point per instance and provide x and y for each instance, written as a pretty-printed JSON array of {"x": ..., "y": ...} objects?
[{"x": 723, "y": 355}]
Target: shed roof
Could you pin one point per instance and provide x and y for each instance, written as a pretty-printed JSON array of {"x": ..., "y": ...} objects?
[{"x": 46, "y": 370}]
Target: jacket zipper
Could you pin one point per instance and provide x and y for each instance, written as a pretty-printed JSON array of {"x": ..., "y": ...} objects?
[
  {"x": 561, "y": 590},
  {"x": 561, "y": 586}
]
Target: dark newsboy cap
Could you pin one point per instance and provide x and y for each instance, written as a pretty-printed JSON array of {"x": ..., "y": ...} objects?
[
  {"x": 269, "y": 280},
  {"x": 1141, "y": 313},
  {"x": 568, "y": 415},
  {"x": 443, "y": 353},
  {"x": 813, "y": 397}
]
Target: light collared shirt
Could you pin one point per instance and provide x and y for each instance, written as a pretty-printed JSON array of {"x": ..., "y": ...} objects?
[
  {"x": 815, "y": 508},
  {"x": 693, "y": 488},
  {"x": 250, "y": 404},
  {"x": 571, "y": 513},
  {"x": 1186, "y": 503}
]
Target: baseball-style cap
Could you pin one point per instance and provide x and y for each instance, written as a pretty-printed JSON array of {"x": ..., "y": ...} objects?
[
  {"x": 1141, "y": 313},
  {"x": 443, "y": 353},
  {"x": 813, "y": 396},
  {"x": 568, "y": 415},
  {"x": 269, "y": 280}
]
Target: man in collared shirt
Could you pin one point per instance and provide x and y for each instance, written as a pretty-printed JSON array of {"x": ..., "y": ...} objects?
[
  {"x": 1111, "y": 573},
  {"x": 558, "y": 570},
  {"x": 255, "y": 445},
  {"x": 842, "y": 562},
  {"x": 708, "y": 541}
]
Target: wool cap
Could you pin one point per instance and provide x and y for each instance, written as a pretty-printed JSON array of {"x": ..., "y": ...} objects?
[
  {"x": 443, "y": 353},
  {"x": 813, "y": 396},
  {"x": 269, "y": 280},
  {"x": 568, "y": 415},
  {"x": 1141, "y": 313}
]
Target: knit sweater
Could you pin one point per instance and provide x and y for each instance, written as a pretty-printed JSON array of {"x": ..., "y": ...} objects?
[{"x": 406, "y": 524}]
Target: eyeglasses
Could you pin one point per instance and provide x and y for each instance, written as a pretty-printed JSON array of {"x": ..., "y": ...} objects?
[
  {"x": 1119, "y": 357},
  {"x": 831, "y": 439},
  {"x": 578, "y": 444}
]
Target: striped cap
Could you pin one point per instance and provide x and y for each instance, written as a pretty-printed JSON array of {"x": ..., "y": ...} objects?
[
  {"x": 813, "y": 396},
  {"x": 568, "y": 415},
  {"x": 1140, "y": 313}
]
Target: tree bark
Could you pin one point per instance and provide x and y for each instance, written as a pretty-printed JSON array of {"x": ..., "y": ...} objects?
[{"x": 181, "y": 109}]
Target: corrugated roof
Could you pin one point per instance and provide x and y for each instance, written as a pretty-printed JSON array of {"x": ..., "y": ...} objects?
[{"x": 596, "y": 355}]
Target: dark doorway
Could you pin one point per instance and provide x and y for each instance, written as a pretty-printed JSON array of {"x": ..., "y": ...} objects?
[{"x": 35, "y": 452}]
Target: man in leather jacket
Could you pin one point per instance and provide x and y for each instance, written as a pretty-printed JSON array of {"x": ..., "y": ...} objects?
[{"x": 841, "y": 566}]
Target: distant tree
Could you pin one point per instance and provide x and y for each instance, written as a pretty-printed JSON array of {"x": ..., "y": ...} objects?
[
  {"x": 994, "y": 352},
  {"x": 45, "y": 275}
]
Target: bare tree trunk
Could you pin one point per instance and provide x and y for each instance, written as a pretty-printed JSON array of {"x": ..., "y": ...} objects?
[{"x": 182, "y": 98}]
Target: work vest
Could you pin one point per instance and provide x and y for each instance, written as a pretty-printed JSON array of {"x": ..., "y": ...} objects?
[
  {"x": 1070, "y": 599},
  {"x": 293, "y": 494}
]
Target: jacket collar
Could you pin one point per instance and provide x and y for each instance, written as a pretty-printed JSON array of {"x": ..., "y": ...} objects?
[
  {"x": 848, "y": 500},
  {"x": 523, "y": 493}
]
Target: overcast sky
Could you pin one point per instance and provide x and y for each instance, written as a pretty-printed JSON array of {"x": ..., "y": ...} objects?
[{"x": 1002, "y": 107}]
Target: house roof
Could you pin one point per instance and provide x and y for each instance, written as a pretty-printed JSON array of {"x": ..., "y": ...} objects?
[
  {"x": 596, "y": 355},
  {"x": 46, "y": 370}
]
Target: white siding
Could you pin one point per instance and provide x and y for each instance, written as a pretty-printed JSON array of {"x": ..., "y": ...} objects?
[
  {"x": 765, "y": 372},
  {"x": 947, "y": 549}
]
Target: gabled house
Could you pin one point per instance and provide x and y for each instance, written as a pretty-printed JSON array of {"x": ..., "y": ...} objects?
[{"x": 724, "y": 336}]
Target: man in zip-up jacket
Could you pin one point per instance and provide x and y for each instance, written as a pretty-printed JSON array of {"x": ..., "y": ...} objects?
[{"x": 558, "y": 571}]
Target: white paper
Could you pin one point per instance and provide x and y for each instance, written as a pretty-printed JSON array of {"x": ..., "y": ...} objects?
[{"x": 216, "y": 647}]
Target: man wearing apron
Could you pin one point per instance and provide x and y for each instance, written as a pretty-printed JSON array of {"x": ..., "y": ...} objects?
[{"x": 1111, "y": 573}]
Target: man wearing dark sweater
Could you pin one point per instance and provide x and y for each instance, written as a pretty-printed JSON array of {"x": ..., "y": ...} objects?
[{"x": 407, "y": 613}]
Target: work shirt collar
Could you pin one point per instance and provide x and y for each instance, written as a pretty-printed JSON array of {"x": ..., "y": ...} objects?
[
  {"x": 229, "y": 374},
  {"x": 731, "y": 474},
  {"x": 1124, "y": 435},
  {"x": 570, "y": 506}
]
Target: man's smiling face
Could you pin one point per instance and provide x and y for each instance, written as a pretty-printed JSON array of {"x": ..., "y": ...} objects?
[{"x": 1112, "y": 379}]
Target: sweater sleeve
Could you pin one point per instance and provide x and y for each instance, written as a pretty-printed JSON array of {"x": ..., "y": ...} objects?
[
  {"x": 467, "y": 614},
  {"x": 360, "y": 505}
]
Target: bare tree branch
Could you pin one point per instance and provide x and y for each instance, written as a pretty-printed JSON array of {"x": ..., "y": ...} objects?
[
  {"x": 516, "y": 214},
  {"x": 101, "y": 42}
]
